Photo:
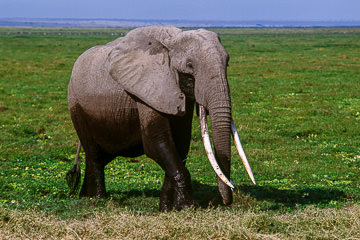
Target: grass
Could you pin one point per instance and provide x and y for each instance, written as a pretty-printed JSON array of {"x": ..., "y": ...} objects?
[
  {"x": 210, "y": 223},
  {"x": 295, "y": 97}
]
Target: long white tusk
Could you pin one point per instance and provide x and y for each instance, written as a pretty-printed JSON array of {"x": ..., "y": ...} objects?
[
  {"x": 208, "y": 149},
  {"x": 241, "y": 151}
]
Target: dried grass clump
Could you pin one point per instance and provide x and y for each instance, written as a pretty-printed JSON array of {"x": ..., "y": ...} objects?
[{"x": 311, "y": 223}]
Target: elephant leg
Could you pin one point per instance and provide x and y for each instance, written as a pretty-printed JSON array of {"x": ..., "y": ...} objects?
[
  {"x": 94, "y": 179},
  {"x": 159, "y": 145},
  {"x": 181, "y": 133},
  {"x": 167, "y": 194},
  {"x": 181, "y": 130}
]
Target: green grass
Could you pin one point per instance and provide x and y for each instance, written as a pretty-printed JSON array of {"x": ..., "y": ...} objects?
[{"x": 295, "y": 98}]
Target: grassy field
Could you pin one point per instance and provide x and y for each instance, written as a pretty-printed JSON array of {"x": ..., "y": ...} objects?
[{"x": 295, "y": 97}]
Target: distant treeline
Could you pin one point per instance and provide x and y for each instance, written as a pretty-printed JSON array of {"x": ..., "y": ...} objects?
[
  {"x": 133, "y": 23},
  {"x": 60, "y": 33}
]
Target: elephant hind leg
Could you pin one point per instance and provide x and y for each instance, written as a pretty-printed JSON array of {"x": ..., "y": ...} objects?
[
  {"x": 95, "y": 160},
  {"x": 94, "y": 179}
]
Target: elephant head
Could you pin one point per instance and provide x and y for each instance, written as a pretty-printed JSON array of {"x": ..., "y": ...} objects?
[{"x": 173, "y": 65}]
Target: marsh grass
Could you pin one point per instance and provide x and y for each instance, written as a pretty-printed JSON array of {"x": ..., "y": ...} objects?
[{"x": 295, "y": 98}]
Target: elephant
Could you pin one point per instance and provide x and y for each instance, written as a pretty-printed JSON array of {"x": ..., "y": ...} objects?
[{"x": 137, "y": 94}]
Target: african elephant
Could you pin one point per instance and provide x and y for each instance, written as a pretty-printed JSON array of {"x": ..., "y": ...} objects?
[{"x": 136, "y": 95}]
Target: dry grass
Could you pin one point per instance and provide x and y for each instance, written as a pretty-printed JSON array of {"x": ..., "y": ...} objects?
[{"x": 311, "y": 223}]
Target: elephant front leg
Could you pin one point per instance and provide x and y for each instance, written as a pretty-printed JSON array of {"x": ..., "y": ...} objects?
[
  {"x": 183, "y": 191},
  {"x": 167, "y": 194},
  {"x": 159, "y": 145},
  {"x": 173, "y": 196}
]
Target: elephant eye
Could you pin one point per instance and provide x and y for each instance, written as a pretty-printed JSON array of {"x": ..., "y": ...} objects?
[{"x": 189, "y": 65}]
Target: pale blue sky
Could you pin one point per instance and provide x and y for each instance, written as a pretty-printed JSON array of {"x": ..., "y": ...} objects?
[{"x": 320, "y": 10}]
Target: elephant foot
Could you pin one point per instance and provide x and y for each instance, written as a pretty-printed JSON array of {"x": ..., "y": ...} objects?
[
  {"x": 166, "y": 200},
  {"x": 92, "y": 192},
  {"x": 93, "y": 195},
  {"x": 183, "y": 199},
  {"x": 165, "y": 205},
  {"x": 90, "y": 195},
  {"x": 176, "y": 199},
  {"x": 167, "y": 195}
]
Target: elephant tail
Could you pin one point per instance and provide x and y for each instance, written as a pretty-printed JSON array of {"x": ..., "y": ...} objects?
[{"x": 73, "y": 176}]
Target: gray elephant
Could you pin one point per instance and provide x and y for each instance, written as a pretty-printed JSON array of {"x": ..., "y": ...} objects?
[{"x": 136, "y": 95}]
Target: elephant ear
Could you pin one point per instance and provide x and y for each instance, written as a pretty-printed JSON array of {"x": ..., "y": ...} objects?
[{"x": 141, "y": 66}]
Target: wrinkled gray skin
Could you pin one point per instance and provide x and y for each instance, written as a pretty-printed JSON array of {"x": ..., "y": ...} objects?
[{"x": 136, "y": 95}]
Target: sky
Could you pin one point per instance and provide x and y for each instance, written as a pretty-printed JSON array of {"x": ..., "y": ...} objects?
[{"x": 226, "y": 10}]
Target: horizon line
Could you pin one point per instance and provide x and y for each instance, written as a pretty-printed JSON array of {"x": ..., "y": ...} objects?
[{"x": 183, "y": 20}]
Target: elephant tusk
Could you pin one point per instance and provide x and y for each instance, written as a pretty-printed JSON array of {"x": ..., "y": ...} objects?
[
  {"x": 241, "y": 151},
  {"x": 208, "y": 149}
]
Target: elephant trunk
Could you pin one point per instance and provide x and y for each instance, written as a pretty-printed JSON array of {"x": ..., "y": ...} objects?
[
  {"x": 219, "y": 107},
  {"x": 220, "y": 115}
]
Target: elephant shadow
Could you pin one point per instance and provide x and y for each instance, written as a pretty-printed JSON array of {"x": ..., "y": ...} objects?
[
  {"x": 205, "y": 195},
  {"x": 249, "y": 195},
  {"x": 267, "y": 197},
  {"x": 291, "y": 198}
]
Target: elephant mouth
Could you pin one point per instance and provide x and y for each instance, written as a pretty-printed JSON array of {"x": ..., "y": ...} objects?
[{"x": 210, "y": 154}]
